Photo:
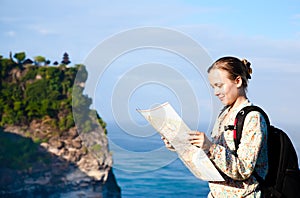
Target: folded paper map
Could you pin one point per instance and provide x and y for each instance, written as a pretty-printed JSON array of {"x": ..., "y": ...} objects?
[{"x": 169, "y": 124}]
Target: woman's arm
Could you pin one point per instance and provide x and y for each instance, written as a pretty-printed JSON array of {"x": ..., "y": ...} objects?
[
  {"x": 238, "y": 167},
  {"x": 241, "y": 166}
]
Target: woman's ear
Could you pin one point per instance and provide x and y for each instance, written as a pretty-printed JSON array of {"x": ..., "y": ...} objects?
[{"x": 239, "y": 82}]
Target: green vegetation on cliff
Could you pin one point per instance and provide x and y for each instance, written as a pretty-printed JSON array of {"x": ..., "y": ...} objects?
[
  {"x": 33, "y": 90},
  {"x": 19, "y": 153}
]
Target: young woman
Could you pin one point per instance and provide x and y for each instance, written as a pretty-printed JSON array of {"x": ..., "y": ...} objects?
[{"x": 228, "y": 77}]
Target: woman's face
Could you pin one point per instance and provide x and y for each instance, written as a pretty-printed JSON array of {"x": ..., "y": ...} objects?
[{"x": 225, "y": 89}]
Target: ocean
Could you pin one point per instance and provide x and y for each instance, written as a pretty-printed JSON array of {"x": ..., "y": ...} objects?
[
  {"x": 145, "y": 168},
  {"x": 138, "y": 176}
]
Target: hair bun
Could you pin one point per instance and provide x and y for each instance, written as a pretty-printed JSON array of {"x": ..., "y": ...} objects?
[{"x": 249, "y": 69}]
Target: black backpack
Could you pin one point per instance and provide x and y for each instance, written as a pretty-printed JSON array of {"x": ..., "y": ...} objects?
[{"x": 283, "y": 177}]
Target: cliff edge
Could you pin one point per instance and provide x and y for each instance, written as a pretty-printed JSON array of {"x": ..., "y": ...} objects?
[{"x": 43, "y": 151}]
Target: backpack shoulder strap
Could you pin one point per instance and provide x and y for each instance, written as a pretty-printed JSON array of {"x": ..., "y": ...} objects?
[
  {"x": 238, "y": 129},
  {"x": 240, "y": 118}
]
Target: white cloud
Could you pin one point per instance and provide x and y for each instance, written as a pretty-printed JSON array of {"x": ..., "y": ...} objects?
[
  {"x": 278, "y": 65},
  {"x": 5, "y": 19},
  {"x": 45, "y": 31},
  {"x": 11, "y": 33},
  {"x": 281, "y": 54},
  {"x": 41, "y": 29},
  {"x": 296, "y": 16}
]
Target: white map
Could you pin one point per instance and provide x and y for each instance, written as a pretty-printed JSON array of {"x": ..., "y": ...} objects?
[{"x": 168, "y": 124}]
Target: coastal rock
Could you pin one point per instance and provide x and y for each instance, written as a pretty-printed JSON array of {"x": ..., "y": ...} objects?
[{"x": 65, "y": 166}]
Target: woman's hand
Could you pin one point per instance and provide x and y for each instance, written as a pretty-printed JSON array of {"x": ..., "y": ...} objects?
[
  {"x": 200, "y": 140},
  {"x": 168, "y": 145}
]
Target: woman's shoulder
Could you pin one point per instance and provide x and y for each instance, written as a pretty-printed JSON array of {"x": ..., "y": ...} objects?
[{"x": 255, "y": 116}]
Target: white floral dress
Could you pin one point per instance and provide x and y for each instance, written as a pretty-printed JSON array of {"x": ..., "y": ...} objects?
[{"x": 251, "y": 153}]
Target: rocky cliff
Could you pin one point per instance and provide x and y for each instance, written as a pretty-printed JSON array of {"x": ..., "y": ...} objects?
[
  {"x": 61, "y": 167},
  {"x": 42, "y": 151}
]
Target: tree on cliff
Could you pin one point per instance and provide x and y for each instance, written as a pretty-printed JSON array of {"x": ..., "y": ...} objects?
[
  {"x": 20, "y": 57},
  {"x": 42, "y": 93},
  {"x": 39, "y": 60}
]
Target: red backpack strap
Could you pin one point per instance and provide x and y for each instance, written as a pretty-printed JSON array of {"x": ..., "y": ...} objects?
[{"x": 234, "y": 129}]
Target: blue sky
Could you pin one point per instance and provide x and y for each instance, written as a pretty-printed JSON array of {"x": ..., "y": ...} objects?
[
  {"x": 267, "y": 33},
  {"x": 75, "y": 26}
]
